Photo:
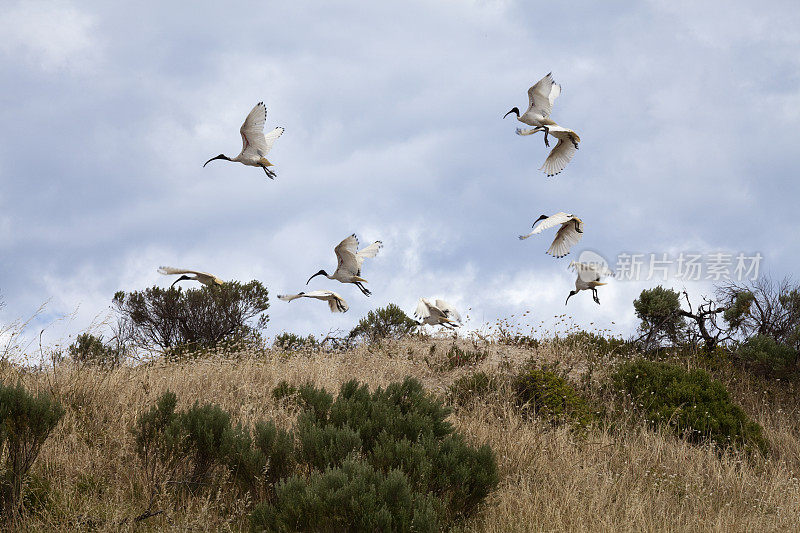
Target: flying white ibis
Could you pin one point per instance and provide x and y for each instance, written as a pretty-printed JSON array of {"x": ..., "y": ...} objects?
[
  {"x": 350, "y": 258},
  {"x": 589, "y": 275},
  {"x": 567, "y": 236},
  {"x": 541, "y": 97},
  {"x": 209, "y": 280},
  {"x": 335, "y": 301},
  {"x": 437, "y": 312},
  {"x": 255, "y": 145},
  {"x": 562, "y": 153}
]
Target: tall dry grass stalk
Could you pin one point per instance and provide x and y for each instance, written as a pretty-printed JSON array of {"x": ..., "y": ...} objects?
[{"x": 625, "y": 478}]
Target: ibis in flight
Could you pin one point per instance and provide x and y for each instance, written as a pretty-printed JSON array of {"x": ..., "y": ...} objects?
[
  {"x": 568, "y": 235},
  {"x": 589, "y": 275},
  {"x": 350, "y": 258},
  {"x": 209, "y": 280},
  {"x": 437, "y": 312},
  {"x": 255, "y": 145},
  {"x": 541, "y": 97},
  {"x": 335, "y": 301}
]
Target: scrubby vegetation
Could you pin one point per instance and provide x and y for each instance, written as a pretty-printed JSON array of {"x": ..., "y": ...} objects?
[
  {"x": 175, "y": 321},
  {"x": 383, "y": 323},
  {"x": 542, "y": 392},
  {"x": 690, "y": 402},
  {"x": 692, "y": 425}
]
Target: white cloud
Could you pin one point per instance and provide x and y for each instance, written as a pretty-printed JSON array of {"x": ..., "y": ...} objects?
[{"x": 53, "y": 35}]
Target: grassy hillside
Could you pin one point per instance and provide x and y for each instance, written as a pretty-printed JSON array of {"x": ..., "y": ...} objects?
[{"x": 618, "y": 476}]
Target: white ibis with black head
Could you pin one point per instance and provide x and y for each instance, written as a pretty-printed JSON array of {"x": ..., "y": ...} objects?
[
  {"x": 437, "y": 312},
  {"x": 567, "y": 236},
  {"x": 335, "y": 301},
  {"x": 589, "y": 275},
  {"x": 255, "y": 145},
  {"x": 540, "y": 104},
  {"x": 209, "y": 280},
  {"x": 349, "y": 261}
]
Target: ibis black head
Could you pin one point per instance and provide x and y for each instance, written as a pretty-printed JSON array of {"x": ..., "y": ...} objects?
[
  {"x": 320, "y": 273},
  {"x": 538, "y": 219},
  {"x": 514, "y": 110},
  {"x": 180, "y": 279},
  {"x": 220, "y": 156},
  {"x": 571, "y": 294}
]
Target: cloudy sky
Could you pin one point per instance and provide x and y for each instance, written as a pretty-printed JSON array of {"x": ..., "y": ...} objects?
[{"x": 689, "y": 114}]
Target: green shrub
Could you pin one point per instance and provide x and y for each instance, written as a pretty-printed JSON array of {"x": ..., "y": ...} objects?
[
  {"x": 361, "y": 444},
  {"x": 283, "y": 390},
  {"x": 289, "y": 342},
  {"x": 477, "y": 385},
  {"x": 202, "y": 319},
  {"x": 89, "y": 349},
  {"x": 659, "y": 311},
  {"x": 690, "y": 402},
  {"x": 352, "y": 497},
  {"x": 456, "y": 357},
  {"x": 767, "y": 356},
  {"x": 387, "y": 322},
  {"x": 25, "y": 423},
  {"x": 157, "y": 434},
  {"x": 600, "y": 344},
  {"x": 546, "y": 394},
  {"x": 205, "y": 428}
]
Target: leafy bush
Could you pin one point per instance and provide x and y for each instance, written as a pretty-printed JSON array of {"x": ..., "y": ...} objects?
[
  {"x": 186, "y": 446},
  {"x": 768, "y": 356},
  {"x": 25, "y": 423},
  {"x": 690, "y": 402},
  {"x": 386, "y": 460},
  {"x": 544, "y": 393},
  {"x": 475, "y": 385},
  {"x": 599, "y": 343},
  {"x": 352, "y": 497},
  {"x": 289, "y": 342},
  {"x": 387, "y": 322},
  {"x": 659, "y": 312},
  {"x": 206, "y": 318},
  {"x": 456, "y": 357},
  {"x": 89, "y": 349}
]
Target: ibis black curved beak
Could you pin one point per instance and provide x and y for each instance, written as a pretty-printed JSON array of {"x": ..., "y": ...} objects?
[
  {"x": 571, "y": 294},
  {"x": 320, "y": 273},
  {"x": 179, "y": 279},
  {"x": 513, "y": 110},
  {"x": 220, "y": 156}
]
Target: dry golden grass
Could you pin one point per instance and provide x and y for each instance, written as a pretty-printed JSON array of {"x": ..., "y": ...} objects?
[{"x": 624, "y": 479}]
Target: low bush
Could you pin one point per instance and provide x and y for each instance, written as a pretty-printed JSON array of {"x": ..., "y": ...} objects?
[
  {"x": 352, "y": 497},
  {"x": 289, "y": 342},
  {"x": 89, "y": 349},
  {"x": 456, "y": 357},
  {"x": 544, "y": 393},
  {"x": 475, "y": 386},
  {"x": 387, "y": 322},
  {"x": 689, "y": 402},
  {"x": 382, "y": 460},
  {"x": 767, "y": 356},
  {"x": 25, "y": 423},
  {"x": 598, "y": 343}
]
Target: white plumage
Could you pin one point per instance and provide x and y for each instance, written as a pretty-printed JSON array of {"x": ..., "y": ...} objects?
[
  {"x": 205, "y": 278},
  {"x": 541, "y": 97},
  {"x": 255, "y": 145},
  {"x": 335, "y": 301},
  {"x": 568, "y": 235},
  {"x": 589, "y": 275},
  {"x": 562, "y": 153},
  {"x": 437, "y": 312},
  {"x": 349, "y": 260}
]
